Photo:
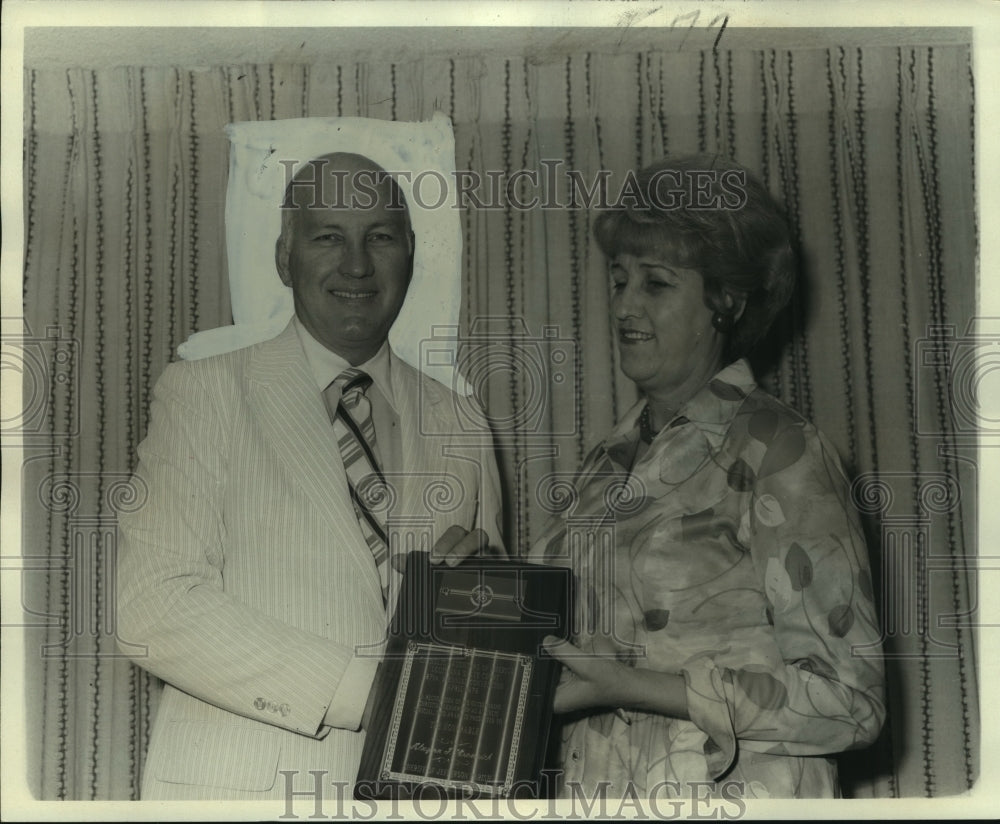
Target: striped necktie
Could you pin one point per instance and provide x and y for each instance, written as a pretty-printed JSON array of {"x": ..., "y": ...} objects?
[{"x": 351, "y": 414}]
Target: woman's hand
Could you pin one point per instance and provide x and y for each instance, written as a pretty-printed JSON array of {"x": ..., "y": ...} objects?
[{"x": 591, "y": 680}]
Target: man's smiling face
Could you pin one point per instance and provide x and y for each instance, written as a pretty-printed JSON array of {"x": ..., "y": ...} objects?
[{"x": 349, "y": 268}]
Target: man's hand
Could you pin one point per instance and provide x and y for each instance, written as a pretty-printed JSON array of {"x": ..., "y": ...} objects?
[{"x": 458, "y": 544}]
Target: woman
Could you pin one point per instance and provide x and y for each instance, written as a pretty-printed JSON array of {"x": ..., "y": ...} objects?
[{"x": 725, "y": 628}]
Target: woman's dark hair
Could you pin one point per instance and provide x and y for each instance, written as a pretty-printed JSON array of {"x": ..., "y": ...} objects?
[{"x": 708, "y": 213}]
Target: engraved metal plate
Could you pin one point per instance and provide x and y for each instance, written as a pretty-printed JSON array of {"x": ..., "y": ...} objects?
[{"x": 457, "y": 717}]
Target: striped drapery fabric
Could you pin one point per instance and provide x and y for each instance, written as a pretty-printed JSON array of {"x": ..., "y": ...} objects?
[{"x": 871, "y": 149}]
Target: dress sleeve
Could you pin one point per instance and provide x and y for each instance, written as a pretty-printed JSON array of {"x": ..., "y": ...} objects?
[{"x": 825, "y": 695}]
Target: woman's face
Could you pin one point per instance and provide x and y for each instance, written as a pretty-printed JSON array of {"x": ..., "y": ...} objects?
[{"x": 666, "y": 340}]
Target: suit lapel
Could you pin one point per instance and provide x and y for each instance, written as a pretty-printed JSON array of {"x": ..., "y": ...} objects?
[
  {"x": 291, "y": 412},
  {"x": 423, "y": 447}
]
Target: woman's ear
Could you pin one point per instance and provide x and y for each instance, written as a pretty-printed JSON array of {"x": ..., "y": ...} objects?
[{"x": 734, "y": 306}]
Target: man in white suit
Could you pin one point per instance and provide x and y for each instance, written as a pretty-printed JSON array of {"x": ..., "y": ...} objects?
[{"x": 246, "y": 578}]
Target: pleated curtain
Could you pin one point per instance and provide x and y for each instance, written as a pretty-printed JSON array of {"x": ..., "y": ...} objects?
[{"x": 871, "y": 150}]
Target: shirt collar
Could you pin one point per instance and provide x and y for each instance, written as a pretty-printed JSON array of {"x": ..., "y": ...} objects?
[
  {"x": 715, "y": 405},
  {"x": 325, "y": 364},
  {"x": 711, "y": 409}
]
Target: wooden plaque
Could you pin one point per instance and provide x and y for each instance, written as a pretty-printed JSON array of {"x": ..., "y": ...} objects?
[{"x": 463, "y": 697}]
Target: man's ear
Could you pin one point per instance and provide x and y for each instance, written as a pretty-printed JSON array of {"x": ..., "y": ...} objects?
[{"x": 281, "y": 260}]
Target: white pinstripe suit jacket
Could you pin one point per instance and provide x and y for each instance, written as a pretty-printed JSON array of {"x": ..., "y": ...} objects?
[{"x": 245, "y": 575}]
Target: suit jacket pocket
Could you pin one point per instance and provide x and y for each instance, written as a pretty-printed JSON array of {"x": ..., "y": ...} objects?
[{"x": 233, "y": 756}]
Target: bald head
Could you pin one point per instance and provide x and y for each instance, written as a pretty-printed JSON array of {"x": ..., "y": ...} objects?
[{"x": 339, "y": 180}]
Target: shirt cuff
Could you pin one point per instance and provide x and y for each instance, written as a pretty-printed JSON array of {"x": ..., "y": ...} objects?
[
  {"x": 711, "y": 699},
  {"x": 348, "y": 704}
]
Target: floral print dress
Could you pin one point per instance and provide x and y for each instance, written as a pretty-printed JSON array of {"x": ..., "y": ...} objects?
[{"x": 729, "y": 553}]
